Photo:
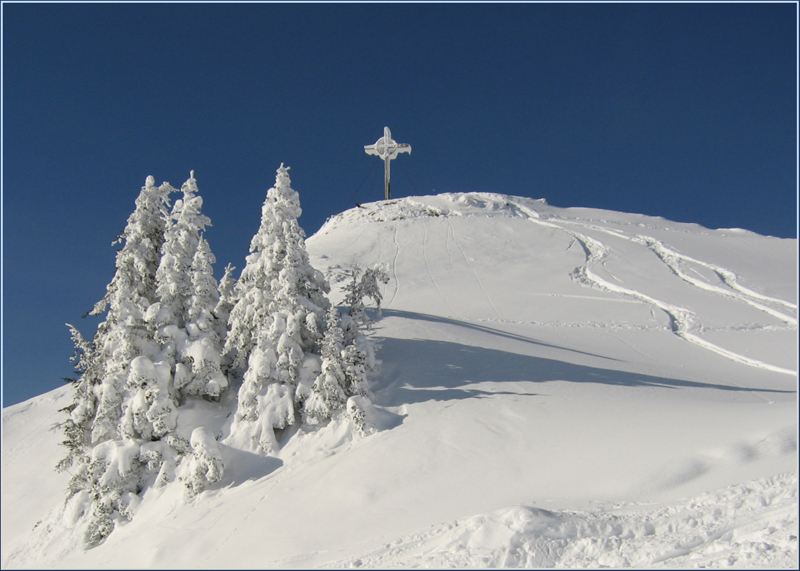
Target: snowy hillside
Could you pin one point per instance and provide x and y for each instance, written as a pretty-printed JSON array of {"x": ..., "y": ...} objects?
[{"x": 558, "y": 387}]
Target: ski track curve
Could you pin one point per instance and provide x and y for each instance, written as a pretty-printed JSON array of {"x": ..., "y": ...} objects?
[
  {"x": 447, "y": 243},
  {"x": 673, "y": 259},
  {"x": 471, "y": 269},
  {"x": 380, "y": 249},
  {"x": 394, "y": 267},
  {"x": 680, "y": 318},
  {"x": 428, "y": 268}
]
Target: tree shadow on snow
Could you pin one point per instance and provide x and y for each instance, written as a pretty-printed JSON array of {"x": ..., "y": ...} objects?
[
  {"x": 481, "y": 328},
  {"x": 241, "y": 466},
  {"x": 419, "y": 370}
]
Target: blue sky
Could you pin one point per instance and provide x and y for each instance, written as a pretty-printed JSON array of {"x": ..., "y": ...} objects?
[{"x": 686, "y": 111}]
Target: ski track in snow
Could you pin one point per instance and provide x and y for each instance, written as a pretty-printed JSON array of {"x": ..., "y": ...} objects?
[
  {"x": 741, "y": 293},
  {"x": 447, "y": 243},
  {"x": 428, "y": 268},
  {"x": 394, "y": 267},
  {"x": 634, "y": 348},
  {"x": 748, "y": 525},
  {"x": 680, "y": 318},
  {"x": 471, "y": 269},
  {"x": 380, "y": 249},
  {"x": 673, "y": 260}
]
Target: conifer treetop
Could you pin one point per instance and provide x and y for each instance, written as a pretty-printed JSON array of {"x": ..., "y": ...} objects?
[{"x": 282, "y": 204}]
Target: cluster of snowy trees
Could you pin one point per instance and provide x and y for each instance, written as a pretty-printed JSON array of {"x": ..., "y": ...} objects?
[{"x": 172, "y": 334}]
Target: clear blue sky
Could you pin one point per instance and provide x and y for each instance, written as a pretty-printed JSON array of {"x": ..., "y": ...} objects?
[{"x": 686, "y": 111}]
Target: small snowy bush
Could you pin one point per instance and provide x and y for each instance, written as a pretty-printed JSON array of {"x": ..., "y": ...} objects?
[
  {"x": 362, "y": 283},
  {"x": 205, "y": 464}
]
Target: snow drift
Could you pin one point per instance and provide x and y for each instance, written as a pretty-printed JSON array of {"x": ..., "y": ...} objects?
[{"x": 558, "y": 387}]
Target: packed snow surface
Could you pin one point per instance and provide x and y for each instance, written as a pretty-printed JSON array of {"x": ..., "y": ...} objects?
[{"x": 558, "y": 387}]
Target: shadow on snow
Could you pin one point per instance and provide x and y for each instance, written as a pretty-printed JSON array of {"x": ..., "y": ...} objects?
[
  {"x": 241, "y": 466},
  {"x": 419, "y": 370},
  {"x": 476, "y": 327}
]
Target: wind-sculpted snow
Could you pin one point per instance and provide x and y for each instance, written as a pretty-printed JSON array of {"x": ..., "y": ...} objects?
[
  {"x": 748, "y": 525},
  {"x": 600, "y": 388}
]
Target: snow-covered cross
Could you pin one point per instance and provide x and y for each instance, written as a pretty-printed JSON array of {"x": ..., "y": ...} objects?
[{"x": 387, "y": 149}]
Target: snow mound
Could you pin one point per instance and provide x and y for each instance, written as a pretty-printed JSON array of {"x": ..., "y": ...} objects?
[
  {"x": 448, "y": 204},
  {"x": 751, "y": 525}
]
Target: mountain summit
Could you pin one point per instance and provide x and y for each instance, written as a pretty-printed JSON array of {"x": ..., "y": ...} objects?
[{"x": 557, "y": 387}]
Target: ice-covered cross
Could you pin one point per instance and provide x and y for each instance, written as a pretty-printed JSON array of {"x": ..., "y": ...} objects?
[{"x": 387, "y": 149}]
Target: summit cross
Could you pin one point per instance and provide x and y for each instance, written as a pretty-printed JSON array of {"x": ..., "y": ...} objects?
[{"x": 387, "y": 149}]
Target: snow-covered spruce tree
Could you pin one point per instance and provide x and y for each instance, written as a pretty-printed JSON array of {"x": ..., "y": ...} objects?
[
  {"x": 187, "y": 331},
  {"x": 77, "y": 428},
  {"x": 227, "y": 299},
  {"x": 188, "y": 328},
  {"x": 150, "y": 411},
  {"x": 276, "y": 321},
  {"x": 125, "y": 334},
  {"x": 347, "y": 353},
  {"x": 104, "y": 465},
  {"x": 360, "y": 349},
  {"x": 328, "y": 393},
  {"x": 203, "y": 348},
  {"x": 362, "y": 283},
  {"x": 205, "y": 464}
]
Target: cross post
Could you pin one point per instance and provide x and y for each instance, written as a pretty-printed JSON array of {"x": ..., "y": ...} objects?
[{"x": 387, "y": 149}]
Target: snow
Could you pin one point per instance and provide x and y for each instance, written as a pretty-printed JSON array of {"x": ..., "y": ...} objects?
[
  {"x": 732, "y": 527},
  {"x": 557, "y": 387}
]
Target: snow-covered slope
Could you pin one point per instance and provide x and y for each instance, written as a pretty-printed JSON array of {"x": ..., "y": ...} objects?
[{"x": 564, "y": 387}]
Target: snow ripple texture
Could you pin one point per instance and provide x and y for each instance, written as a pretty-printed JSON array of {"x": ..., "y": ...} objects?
[{"x": 749, "y": 525}]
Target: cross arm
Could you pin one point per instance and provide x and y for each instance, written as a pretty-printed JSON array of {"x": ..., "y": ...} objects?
[{"x": 380, "y": 150}]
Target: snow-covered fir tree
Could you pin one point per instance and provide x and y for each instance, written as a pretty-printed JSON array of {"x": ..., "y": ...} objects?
[
  {"x": 159, "y": 344},
  {"x": 77, "y": 428},
  {"x": 276, "y": 321},
  {"x": 328, "y": 393},
  {"x": 227, "y": 299},
  {"x": 205, "y": 464},
  {"x": 347, "y": 355},
  {"x": 359, "y": 348},
  {"x": 155, "y": 382},
  {"x": 181, "y": 239},
  {"x": 103, "y": 463},
  {"x": 188, "y": 333},
  {"x": 125, "y": 333},
  {"x": 188, "y": 328},
  {"x": 201, "y": 352},
  {"x": 362, "y": 283}
]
